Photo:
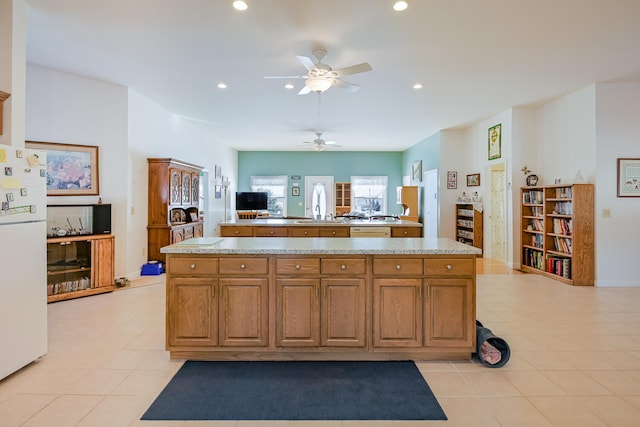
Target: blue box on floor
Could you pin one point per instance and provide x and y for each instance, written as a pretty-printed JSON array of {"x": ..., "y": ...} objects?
[{"x": 152, "y": 269}]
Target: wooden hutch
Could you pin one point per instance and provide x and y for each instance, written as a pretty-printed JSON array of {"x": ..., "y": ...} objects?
[{"x": 174, "y": 199}]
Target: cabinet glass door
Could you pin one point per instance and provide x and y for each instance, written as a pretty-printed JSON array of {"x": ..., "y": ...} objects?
[{"x": 68, "y": 267}]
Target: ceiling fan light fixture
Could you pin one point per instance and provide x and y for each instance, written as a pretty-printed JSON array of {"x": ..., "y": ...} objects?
[
  {"x": 319, "y": 147},
  {"x": 399, "y": 6},
  {"x": 318, "y": 84},
  {"x": 240, "y": 5}
]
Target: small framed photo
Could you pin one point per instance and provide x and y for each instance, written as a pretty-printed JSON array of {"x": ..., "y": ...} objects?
[
  {"x": 9, "y": 197},
  {"x": 19, "y": 154},
  {"x": 295, "y": 191},
  {"x": 5, "y": 206},
  {"x": 452, "y": 180},
  {"x": 495, "y": 142},
  {"x": 23, "y": 192},
  {"x": 218, "y": 191},
  {"x": 8, "y": 171},
  {"x": 193, "y": 216},
  {"x": 416, "y": 170},
  {"x": 473, "y": 180},
  {"x": 628, "y": 177}
]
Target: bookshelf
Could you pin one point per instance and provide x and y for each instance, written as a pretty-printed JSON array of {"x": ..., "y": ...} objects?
[
  {"x": 469, "y": 224},
  {"x": 557, "y": 232}
]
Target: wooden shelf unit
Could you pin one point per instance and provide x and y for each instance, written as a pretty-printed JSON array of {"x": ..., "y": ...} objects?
[
  {"x": 343, "y": 198},
  {"x": 174, "y": 186},
  {"x": 469, "y": 223},
  {"x": 79, "y": 266},
  {"x": 407, "y": 197},
  {"x": 557, "y": 232}
]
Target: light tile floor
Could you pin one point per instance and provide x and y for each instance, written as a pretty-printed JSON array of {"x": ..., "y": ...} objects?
[{"x": 575, "y": 361}]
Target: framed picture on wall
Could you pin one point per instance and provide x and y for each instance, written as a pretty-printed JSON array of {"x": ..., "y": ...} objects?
[
  {"x": 295, "y": 191},
  {"x": 473, "y": 180},
  {"x": 452, "y": 180},
  {"x": 72, "y": 170},
  {"x": 416, "y": 170},
  {"x": 628, "y": 177},
  {"x": 495, "y": 142}
]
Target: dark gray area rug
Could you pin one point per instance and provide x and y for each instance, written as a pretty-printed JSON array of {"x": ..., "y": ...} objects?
[{"x": 350, "y": 390}]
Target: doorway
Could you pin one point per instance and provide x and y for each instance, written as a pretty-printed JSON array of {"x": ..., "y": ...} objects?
[
  {"x": 430, "y": 204},
  {"x": 318, "y": 197},
  {"x": 497, "y": 205}
]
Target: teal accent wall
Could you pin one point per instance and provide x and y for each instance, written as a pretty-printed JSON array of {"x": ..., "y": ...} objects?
[
  {"x": 341, "y": 165},
  {"x": 427, "y": 150}
]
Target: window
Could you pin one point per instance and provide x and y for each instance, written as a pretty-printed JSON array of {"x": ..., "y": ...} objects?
[
  {"x": 276, "y": 189},
  {"x": 369, "y": 194}
]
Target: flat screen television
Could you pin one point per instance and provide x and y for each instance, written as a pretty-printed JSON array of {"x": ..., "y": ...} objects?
[{"x": 251, "y": 201}]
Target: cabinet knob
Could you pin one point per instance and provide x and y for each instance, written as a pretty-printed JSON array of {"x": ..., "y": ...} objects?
[
  {"x": 398, "y": 267},
  {"x": 297, "y": 266},
  {"x": 237, "y": 232},
  {"x": 343, "y": 267},
  {"x": 242, "y": 266},
  {"x": 333, "y": 232},
  {"x": 271, "y": 232},
  {"x": 193, "y": 266},
  {"x": 449, "y": 267},
  {"x": 306, "y": 232},
  {"x": 405, "y": 232}
]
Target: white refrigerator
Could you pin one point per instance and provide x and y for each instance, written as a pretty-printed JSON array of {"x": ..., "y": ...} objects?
[{"x": 23, "y": 258}]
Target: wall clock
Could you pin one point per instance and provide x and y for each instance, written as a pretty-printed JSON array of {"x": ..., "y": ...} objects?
[{"x": 532, "y": 180}]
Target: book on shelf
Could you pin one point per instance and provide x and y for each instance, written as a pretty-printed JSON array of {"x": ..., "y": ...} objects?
[
  {"x": 563, "y": 208},
  {"x": 562, "y": 226},
  {"x": 532, "y": 197},
  {"x": 533, "y": 258},
  {"x": 564, "y": 193},
  {"x": 559, "y": 266},
  {"x": 563, "y": 244}
]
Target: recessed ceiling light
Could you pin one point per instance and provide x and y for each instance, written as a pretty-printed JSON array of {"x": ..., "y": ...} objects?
[
  {"x": 288, "y": 86},
  {"x": 240, "y": 5},
  {"x": 222, "y": 86},
  {"x": 417, "y": 86},
  {"x": 400, "y": 5}
]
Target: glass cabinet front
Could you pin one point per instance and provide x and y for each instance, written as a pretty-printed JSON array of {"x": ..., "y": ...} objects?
[{"x": 68, "y": 266}]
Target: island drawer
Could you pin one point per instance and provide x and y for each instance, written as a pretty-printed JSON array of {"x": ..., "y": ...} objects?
[
  {"x": 449, "y": 267},
  {"x": 193, "y": 266},
  {"x": 343, "y": 266},
  {"x": 397, "y": 266},
  {"x": 334, "y": 231},
  {"x": 244, "y": 265},
  {"x": 304, "y": 232},
  {"x": 298, "y": 266},
  {"x": 405, "y": 231},
  {"x": 270, "y": 232},
  {"x": 233, "y": 231}
]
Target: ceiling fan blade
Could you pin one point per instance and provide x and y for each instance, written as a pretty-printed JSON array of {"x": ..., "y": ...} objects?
[
  {"x": 285, "y": 77},
  {"x": 346, "y": 85},
  {"x": 354, "y": 69},
  {"x": 306, "y": 62},
  {"x": 305, "y": 90},
  {"x": 330, "y": 142}
]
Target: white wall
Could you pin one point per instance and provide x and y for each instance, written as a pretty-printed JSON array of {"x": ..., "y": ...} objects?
[
  {"x": 127, "y": 128},
  {"x": 617, "y": 136},
  {"x": 70, "y": 109}
]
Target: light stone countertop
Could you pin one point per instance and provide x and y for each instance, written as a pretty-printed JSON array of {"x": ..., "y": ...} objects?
[
  {"x": 271, "y": 222},
  {"x": 320, "y": 246}
]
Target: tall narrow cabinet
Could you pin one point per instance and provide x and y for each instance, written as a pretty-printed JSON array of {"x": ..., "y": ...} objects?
[
  {"x": 469, "y": 224},
  {"x": 557, "y": 232},
  {"x": 174, "y": 201},
  {"x": 407, "y": 197},
  {"x": 343, "y": 198}
]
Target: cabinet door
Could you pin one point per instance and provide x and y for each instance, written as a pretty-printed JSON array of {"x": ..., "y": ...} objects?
[
  {"x": 449, "y": 313},
  {"x": 188, "y": 233},
  {"x": 397, "y": 312},
  {"x": 102, "y": 262},
  {"x": 198, "y": 230},
  {"x": 175, "y": 185},
  {"x": 186, "y": 188},
  {"x": 195, "y": 188},
  {"x": 192, "y": 319},
  {"x": 343, "y": 314},
  {"x": 244, "y": 313},
  {"x": 298, "y": 312}
]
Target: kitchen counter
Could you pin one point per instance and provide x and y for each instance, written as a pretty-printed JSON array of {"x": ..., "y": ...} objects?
[
  {"x": 269, "y": 298},
  {"x": 275, "y": 227}
]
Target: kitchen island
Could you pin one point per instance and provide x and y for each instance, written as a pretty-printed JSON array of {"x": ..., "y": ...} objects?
[
  {"x": 320, "y": 299},
  {"x": 306, "y": 227}
]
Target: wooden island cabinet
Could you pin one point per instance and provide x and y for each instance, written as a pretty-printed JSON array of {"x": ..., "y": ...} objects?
[{"x": 320, "y": 299}]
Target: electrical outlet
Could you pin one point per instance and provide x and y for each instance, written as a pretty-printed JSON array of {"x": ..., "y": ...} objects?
[{"x": 606, "y": 213}]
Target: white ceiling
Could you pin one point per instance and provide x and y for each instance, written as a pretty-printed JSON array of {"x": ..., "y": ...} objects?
[{"x": 474, "y": 58}]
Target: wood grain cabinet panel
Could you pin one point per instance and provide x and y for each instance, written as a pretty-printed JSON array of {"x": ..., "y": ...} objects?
[
  {"x": 397, "y": 266},
  {"x": 449, "y": 315},
  {"x": 343, "y": 313},
  {"x": 193, "y": 316},
  {"x": 270, "y": 232},
  {"x": 244, "y": 318},
  {"x": 304, "y": 231},
  {"x": 343, "y": 266},
  {"x": 334, "y": 231},
  {"x": 102, "y": 257},
  {"x": 406, "y": 231},
  {"x": 397, "y": 308},
  {"x": 298, "y": 312}
]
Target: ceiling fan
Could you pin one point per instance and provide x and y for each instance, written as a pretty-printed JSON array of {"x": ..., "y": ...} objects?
[
  {"x": 321, "y": 77},
  {"x": 320, "y": 144}
]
